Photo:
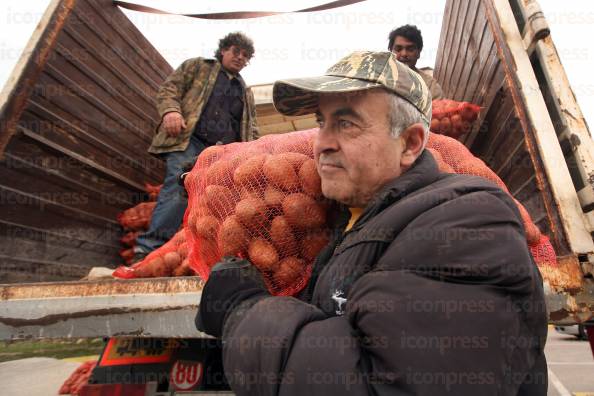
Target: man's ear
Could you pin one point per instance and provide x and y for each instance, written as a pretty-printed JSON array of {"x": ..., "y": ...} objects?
[{"x": 413, "y": 138}]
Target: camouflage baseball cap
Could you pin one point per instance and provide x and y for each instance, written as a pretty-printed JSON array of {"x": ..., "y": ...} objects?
[{"x": 358, "y": 71}]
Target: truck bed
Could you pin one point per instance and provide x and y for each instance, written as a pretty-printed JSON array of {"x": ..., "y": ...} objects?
[
  {"x": 158, "y": 307},
  {"x": 79, "y": 114}
]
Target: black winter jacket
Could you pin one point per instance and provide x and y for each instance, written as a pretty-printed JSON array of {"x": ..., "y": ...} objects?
[{"x": 432, "y": 292}]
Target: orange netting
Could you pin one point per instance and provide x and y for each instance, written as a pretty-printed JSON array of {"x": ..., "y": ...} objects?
[
  {"x": 543, "y": 252},
  {"x": 454, "y": 157},
  {"x": 127, "y": 255},
  {"x": 171, "y": 259},
  {"x": 152, "y": 191},
  {"x": 79, "y": 378},
  {"x": 129, "y": 239},
  {"x": 259, "y": 200},
  {"x": 137, "y": 217},
  {"x": 453, "y": 118},
  {"x": 262, "y": 201}
]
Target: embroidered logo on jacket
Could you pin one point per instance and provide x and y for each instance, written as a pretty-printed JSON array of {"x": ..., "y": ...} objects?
[{"x": 338, "y": 297}]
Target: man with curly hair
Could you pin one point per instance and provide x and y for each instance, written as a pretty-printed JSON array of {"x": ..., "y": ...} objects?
[
  {"x": 202, "y": 103},
  {"x": 406, "y": 43}
]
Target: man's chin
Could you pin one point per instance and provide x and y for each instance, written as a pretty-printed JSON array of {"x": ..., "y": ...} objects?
[{"x": 337, "y": 194}]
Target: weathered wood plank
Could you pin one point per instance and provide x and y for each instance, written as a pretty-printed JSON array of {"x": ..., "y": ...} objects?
[
  {"x": 457, "y": 49},
  {"x": 442, "y": 54},
  {"x": 472, "y": 44}
]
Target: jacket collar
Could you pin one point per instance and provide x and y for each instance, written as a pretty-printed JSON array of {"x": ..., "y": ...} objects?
[{"x": 220, "y": 67}]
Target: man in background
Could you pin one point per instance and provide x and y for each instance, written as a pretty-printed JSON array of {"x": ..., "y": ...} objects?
[
  {"x": 406, "y": 43},
  {"x": 202, "y": 103}
]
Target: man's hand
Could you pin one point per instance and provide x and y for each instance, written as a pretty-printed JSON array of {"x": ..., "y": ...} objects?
[
  {"x": 231, "y": 282},
  {"x": 174, "y": 123}
]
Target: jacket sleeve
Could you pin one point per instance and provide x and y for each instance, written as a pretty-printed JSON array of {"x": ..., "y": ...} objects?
[
  {"x": 284, "y": 346},
  {"x": 435, "y": 89},
  {"x": 453, "y": 304},
  {"x": 171, "y": 92},
  {"x": 253, "y": 130}
]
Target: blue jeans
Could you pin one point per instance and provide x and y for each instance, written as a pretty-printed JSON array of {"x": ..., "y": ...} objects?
[{"x": 172, "y": 202}]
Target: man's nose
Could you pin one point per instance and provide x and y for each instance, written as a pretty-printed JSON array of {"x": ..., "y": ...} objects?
[
  {"x": 402, "y": 53},
  {"x": 326, "y": 141},
  {"x": 242, "y": 56}
]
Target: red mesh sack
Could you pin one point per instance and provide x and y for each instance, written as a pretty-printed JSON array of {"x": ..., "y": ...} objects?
[
  {"x": 171, "y": 259},
  {"x": 262, "y": 201},
  {"x": 152, "y": 191},
  {"x": 460, "y": 160},
  {"x": 441, "y": 164},
  {"x": 79, "y": 378},
  {"x": 543, "y": 252},
  {"x": 129, "y": 239},
  {"x": 453, "y": 118},
  {"x": 127, "y": 255},
  {"x": 137, "y": 217}
]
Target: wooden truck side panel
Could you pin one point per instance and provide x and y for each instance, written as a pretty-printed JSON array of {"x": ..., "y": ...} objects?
[{"x": 75, "y": 130}]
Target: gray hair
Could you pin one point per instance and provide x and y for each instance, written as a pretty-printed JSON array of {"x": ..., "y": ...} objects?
[{"x": 402, "y": 115}]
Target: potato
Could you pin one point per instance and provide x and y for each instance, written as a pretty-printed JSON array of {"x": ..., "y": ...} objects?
[
  {"x": 456, "y": 123},
  {"x": 200, "y": 205},
  {"x": 210, "y": 155},
  {"x": 282, "y": 236},
  {"x": 196, "y": 213},
  {"x": 251, "y": 212},
  {"x": 220, "y": 173},
  {"x": 246, "y": 193},
  {"x": 149, "y": 269},
  {"x": 171, "y": 260},
  {"x": 273, "y": 197},
  {"x": 288, "y": 272},
  {"x": 311, "y": 184},
  {"x": 445, "y": 126},
  {"x": 184, "y": 269},
  {"x": 279, "y": 171},
  {"x": 435, "y": 125},
  {"x": 302, "y": 211},
  {"x": 207, "y": 227},
  {"x": 466, "y": 126},
  {"x": 250, "y": 173},
  {"x": 183, "y": 250},
  {"x": 207, "y": 252},
  {"x": 233, "y": 238},
  {"x": 220, "y": 200},
  {"x": 470, "y": 112},
  {"x": 312, "y": 244},
  {"x": 263, "y": 255},
  {"x": 143, "y": 269},
  {"x": 296, "y": 159}
]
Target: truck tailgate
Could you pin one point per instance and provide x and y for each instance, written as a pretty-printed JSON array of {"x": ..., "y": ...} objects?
[{"x": 158, "y": 307}]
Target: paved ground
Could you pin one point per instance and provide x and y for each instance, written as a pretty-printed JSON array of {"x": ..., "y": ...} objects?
[
  {"x": 34, "y": 376},
  {"x": 571, "y": 366},
  {"x": 571, "y": 371}
]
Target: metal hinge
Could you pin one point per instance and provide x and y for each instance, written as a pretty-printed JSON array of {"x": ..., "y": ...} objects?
[{"x": 536, "y": 27}]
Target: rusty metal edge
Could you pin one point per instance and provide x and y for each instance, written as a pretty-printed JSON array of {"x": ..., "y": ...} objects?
[
  {"x": 512, "y": 84},
  {"x": 17, "y": 90},
  {"x": 99, "y": 288},
  {"x": 570, "y": 308}
]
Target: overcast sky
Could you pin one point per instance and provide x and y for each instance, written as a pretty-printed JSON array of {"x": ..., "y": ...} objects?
[{"x": 293, "y": 45}]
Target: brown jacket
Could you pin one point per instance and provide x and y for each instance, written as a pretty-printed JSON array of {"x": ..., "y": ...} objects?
[
  {"x": 434, "y": 87},
  {"x": 186, "y": 91}
]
